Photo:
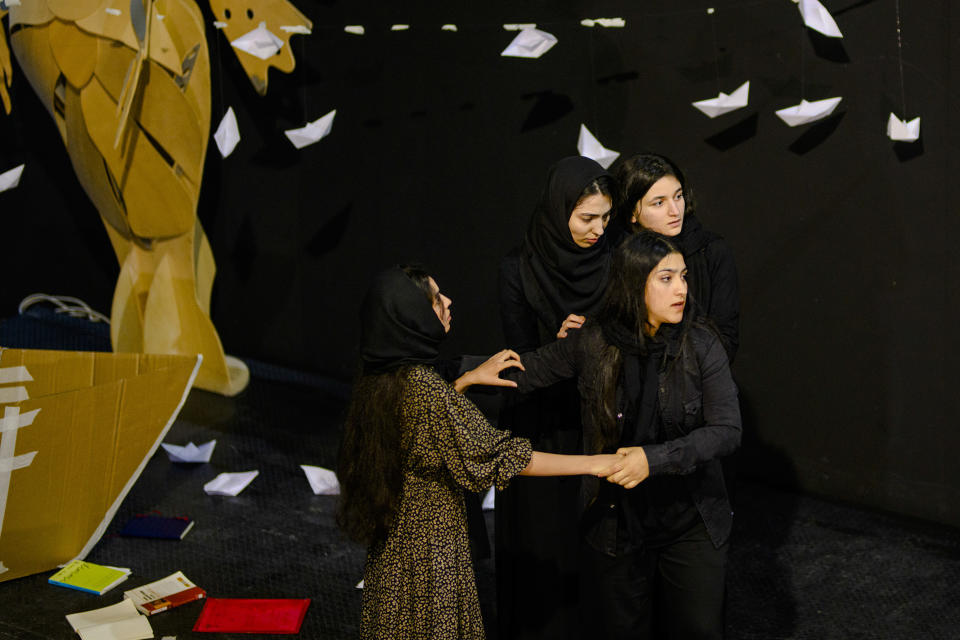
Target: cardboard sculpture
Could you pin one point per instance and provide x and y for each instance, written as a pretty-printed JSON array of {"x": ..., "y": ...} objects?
[
  {"x": 128, "y": 84},
  {"x": 76, "y": 430}
]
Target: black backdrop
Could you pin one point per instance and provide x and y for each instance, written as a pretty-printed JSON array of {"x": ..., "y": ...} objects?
[{"x": 844, "y": 239}]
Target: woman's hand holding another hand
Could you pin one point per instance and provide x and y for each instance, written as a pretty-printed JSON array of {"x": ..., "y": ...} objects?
[{"x": 635, "y": 468}]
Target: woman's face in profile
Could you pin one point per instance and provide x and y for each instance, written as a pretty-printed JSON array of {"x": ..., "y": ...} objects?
[
  {"x": 441, "y": 305},
  {"x": 589, "y": 219},
  {"x": 661, "y": 208},
  {"x": 666, "y": 291}
]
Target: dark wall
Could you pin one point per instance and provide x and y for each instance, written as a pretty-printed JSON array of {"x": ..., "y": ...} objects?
[{"x": 844, "y": 239}]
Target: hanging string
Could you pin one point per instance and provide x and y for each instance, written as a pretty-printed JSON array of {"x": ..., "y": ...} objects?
[
  {"x": 903, "y": 91},
  {"x": 716, "y": 49},
  {"x": 216, "y": 46},
  {"x": 803, "y": 34},
  {"x": 303, "y": 77}
]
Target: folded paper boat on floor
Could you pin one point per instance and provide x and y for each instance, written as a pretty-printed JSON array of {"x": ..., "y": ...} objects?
[{"x": 76, "y": 431}]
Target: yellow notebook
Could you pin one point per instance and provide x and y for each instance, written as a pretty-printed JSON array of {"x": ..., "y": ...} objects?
[{"x": 89, "y": 577}]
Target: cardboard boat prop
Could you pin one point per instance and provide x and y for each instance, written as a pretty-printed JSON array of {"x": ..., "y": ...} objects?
[{"x": 77, "y": 429}]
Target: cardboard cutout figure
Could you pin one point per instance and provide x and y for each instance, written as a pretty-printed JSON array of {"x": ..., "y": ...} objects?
[
  {"x": 59, "y": 412},
  {"x": 127, "y": 83}
]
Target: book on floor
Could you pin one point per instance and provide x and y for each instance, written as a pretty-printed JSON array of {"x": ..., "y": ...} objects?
[
  {"x": 163, "y": 527},
  {"x": 116, "y": 622},
  {"x": 235, "y": 615},
  {"x": 89, "y": 577},
  {"x": 166, "y": 593}
]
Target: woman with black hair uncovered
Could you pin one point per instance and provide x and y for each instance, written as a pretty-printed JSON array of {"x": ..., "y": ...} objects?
[
  {"x": 411, "y": 444},
  {"x": 547, "y": 285},
  {"x": 654, "y": 195},
  {"x": 656, "y": 389}
]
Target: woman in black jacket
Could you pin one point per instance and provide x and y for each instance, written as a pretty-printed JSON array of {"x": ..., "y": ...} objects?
[
  {"x": 654, "y": 195},
  {"x": 656, "y": 388},
  {"x": 547, "y": 285}
]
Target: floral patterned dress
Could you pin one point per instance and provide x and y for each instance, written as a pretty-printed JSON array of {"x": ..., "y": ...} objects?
[{"x": 419, "y": 581}]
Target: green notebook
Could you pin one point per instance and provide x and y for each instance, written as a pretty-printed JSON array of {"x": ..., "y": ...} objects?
[{"x": 89, "y": 577}]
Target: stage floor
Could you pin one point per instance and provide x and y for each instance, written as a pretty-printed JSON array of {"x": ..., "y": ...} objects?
[{"x": 800, "y": 567}]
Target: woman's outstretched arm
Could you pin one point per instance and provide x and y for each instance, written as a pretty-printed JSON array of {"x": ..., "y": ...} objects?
[{"x": 555, "y": 464}]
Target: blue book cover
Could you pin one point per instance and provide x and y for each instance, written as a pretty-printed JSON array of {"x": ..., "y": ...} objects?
[{"x": 150, "y": 526}]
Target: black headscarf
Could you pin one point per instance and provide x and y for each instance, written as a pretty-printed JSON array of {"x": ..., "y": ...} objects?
[
  {"x": 398, "y": 324},
  {"x": 559, "y": 277}
]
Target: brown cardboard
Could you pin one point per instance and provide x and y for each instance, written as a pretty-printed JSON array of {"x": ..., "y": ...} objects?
[{"x": 101, "y": 416}]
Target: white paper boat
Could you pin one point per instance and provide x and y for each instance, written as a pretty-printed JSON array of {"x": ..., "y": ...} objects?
[
  {"x": 724, "y": 103},
  {"x": 530, "y": 43},
  {"x": 590, "y": 147},
  {"x": 808, "y": 111},
  {"x": 903, "y": 131}
]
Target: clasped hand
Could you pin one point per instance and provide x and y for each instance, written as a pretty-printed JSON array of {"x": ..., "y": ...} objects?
[{"x": 634, "y": 468}]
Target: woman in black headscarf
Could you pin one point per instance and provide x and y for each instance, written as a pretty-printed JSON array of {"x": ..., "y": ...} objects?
[
  {"x": 547, "y": 285},
  {"x": 411, "y": 444},
  {"x": 656, "y": 389},
  {"x": 655, "y": 195}
]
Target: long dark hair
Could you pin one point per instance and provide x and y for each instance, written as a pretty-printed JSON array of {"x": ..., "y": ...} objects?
[
  {"x": 623, "y": 319},
  {"x": 636, "y": 175},
  {"x": 370, "y": 463}
]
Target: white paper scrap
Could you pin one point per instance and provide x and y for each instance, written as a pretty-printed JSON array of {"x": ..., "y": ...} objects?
[
  {"x": 519, "y": 26},
  {"x": 219, "y": 24},
  {"x": 230, "y": 484},
  {"x": 359, "y": 585},
  {"x": 114, "y": 12},
  {"x": 724, "y": 103},
  {"x": 489, "y": 500},
  {"x": 356, "y": 29},
  {"x": 190, "y": 452},
  {"x": 10, "y": 179},
  {"x": 590, "y": 147},
  {"x": 604, "y": 22},
  {"x": 399, "y": 27},
  {"x": 261, "y": 42},
  {"x": 296, "y": 28},
  {"x": 121, "y": 620},
  {"x": 530, "y": 43},
  {"x": 312, "y": 132},
  {"x": 808, "y": 111},
  {"x": 227, "y": 135},
  {"x": 903, "y": 131},
  {"x": 448, "y": 27},
  {"x": 816, "y": 16},
  {"x": 323, "y": 481}
]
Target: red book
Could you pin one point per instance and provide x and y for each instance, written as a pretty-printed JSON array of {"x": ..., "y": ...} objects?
[{"x": 236, "y": 615}]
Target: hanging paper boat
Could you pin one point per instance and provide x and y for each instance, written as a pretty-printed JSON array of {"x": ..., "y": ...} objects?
[
  {"x": 903, "y": 131},
  {"x": 590, "y": 147},
  {"x": 724, "y": 103},
  {"x": 808, "y": 111}
]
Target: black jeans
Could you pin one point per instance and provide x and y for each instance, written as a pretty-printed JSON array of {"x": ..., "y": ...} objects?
[{"x": 674, "y": 591}]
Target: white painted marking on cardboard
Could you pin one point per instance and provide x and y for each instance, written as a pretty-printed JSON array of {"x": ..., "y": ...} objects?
[
  {"x": 8, "y": 460},
  {"x": 14, "y": 374},
  {"x": 23, "y": 420},
  {"x": 11, "y": 395}
]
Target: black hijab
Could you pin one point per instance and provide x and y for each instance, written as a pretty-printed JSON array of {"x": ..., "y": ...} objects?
[
  {"x": 398, "y": 324},
  {"x": 559, "y": 277}
]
